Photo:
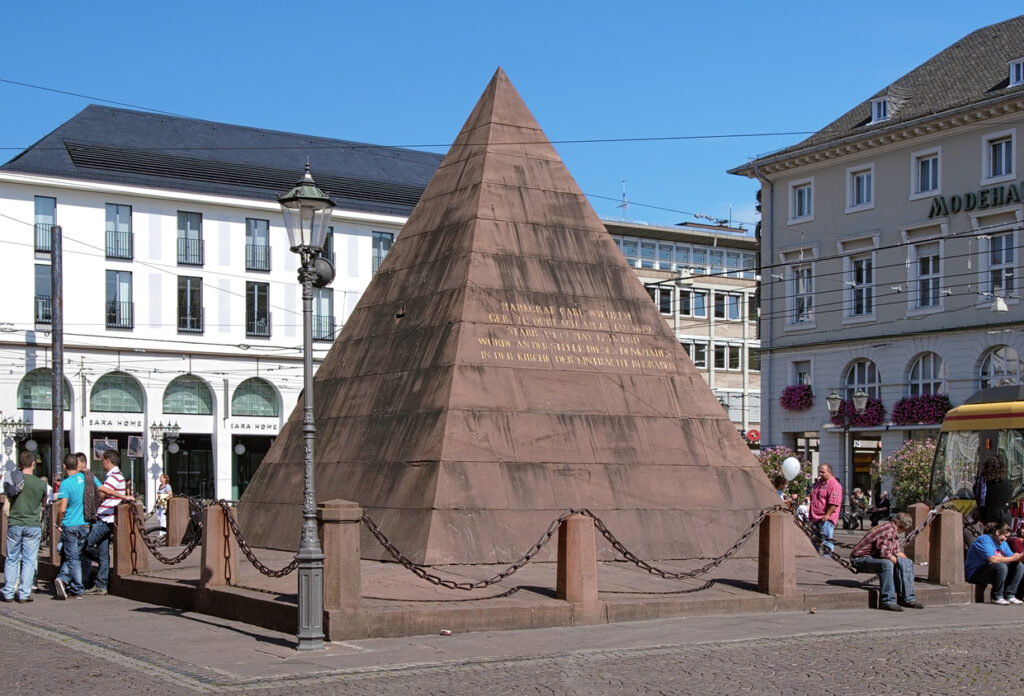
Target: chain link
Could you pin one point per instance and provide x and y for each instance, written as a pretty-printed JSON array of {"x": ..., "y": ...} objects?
[
  {"x": 421, "y": 571},
  {"x": 139, "y": 530},
  {"x": 244, "y": 546},
  {"x": 818, "y": 540}
]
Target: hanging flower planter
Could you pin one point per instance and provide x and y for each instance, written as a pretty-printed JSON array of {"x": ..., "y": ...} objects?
[
  {"x": 872, "y": 415},
  {"x": 926, "y": 409},
  {"x": 797, "y": 397}
]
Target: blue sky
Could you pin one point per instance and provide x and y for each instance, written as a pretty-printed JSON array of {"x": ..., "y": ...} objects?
[{"x": 408, "y": 74}]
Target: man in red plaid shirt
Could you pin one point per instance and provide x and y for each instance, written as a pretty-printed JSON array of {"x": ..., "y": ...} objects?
[{"x": 880, "y": 552}]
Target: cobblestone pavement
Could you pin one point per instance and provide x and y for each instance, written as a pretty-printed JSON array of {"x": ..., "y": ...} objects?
[{"x": 782, "y": 655}]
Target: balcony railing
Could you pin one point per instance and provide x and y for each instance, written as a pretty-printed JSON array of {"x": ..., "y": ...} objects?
[
  {"x": 190, "y": 252},
  {"x": 120, "y": 315},
  {"x": 257, "y": 257},
  {"x": 44, "y": 309},
  {"x": 44, "y": 238},
  {"x": 258, "y": 326},
  {"x": 190, "y": 323},
  {"x": 323, "y": 328},
  {"x": 120, "y": 245}
]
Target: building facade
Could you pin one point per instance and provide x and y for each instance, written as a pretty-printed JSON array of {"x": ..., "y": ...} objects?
[
  {"x": 180, "y": 300},
  {"x": 704, "y": 280},
  {"x": 891, "y": 247}
]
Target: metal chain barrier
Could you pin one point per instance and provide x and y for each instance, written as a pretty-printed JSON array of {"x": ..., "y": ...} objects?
[
  {"x": 421, "y": 571},
  {"x": 139, "y": 530},
  {"x": 818, "y": 540},
  {"x": 244, "y": 546}
]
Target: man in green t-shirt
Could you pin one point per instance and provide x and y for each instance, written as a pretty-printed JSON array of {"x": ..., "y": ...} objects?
[{"x": 24, "y": 533}]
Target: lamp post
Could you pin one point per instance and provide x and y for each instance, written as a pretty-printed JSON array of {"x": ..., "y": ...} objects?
[
  {"x": 17, "y": 430},
  {"x": 307, "y": 213},
  {"x": 834, "y": 403},
  {"x": 167, "y": 434}
]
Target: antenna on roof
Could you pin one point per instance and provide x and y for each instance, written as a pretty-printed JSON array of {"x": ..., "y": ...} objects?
[{"x": 624, "y": 205}]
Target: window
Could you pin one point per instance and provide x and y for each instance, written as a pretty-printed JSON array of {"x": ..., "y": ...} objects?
[
  {"x": 190, "y": 304},
  {"x": 46, "y": 218},
  {"x": 693, "y": 303},
  {"x": 700, "y": 260},
  {"x": 803, "y": 295},
  {"x": 862, "y": 374},
  {"x": 727, "y": 357},
  {"x": 929, "y": 275},
  {"x": 119, "y": 231},
  {"x": 647, "y": 252},
  {"x": 732, "y": 264},
  {"x": 254, "y": 397},
  {"x": 1017, "y": 72},
  {"x": 1000, "y": 366},
  {"x": 997, "y": 156},
  {"x": 682, "y": 256},
  {"x": 631, "y": 250},
  {"x": 727, "y": 306},
  {"x": 328, "y": 249},
  {"x": 925, "y": 173},
  {"x": 665, "y": 254},
  {"x": 323, "y": 314},
  {"x": 382, "y": 242},
  {"x": 753, "y": 359},
  {"x": 120, "y": 309},
  {"x": 44, "y": 295},
  {"x": 663, "y": 298},
  {"x": 1001, "y": 264},
  {"x": 801, "y": 200},
  {"x": 926, "y": 375},
  {"x": 257, "y": 244},
  {"x": 117, "y": 392},
  {"x": 879, "y": 109},
  {"x": 35, "y": 390},
  {"x": 717, "y": 262},
  {"x": 698, "y": 353},
  {"x": 749, "y": 266},
  {"x": 861, "y": 287},
  {"x": 860, "y": 188},
  {"x": 802, "y": 372},
  {"x": 190, "y": 239},
  {"x": 188, "y": 395},
  {"x": 257, "y": 309}
]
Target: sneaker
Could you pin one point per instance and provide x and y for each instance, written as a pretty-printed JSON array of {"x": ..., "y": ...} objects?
[
  {"x": 891, "y": 607},
  {"x": 1014, "y": 600},
  {"x": 19, "y": 600},
  {"x": 6, "y": 599},
  {"x": 62, "y": 589},
  {"x": 1001, "y": 601},
  {"x": 918, "y": 605},
  {"x": 96, "y": 591}
]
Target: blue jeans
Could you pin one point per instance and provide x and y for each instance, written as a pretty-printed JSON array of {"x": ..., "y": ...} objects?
[
  {"x": 97, "y": 548},
  {"x": 73, "y": 539},
  {"x": 22, "y": 560},
  {"x": 897, "y": 582},
  {"x": 825, "y": 529},
  {"x": 1003, "y": 577}
]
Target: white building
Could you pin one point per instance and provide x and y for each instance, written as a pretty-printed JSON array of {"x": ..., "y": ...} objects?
[
  {"x": 888, "y": 239},
  {"x": 180, "y": 299}
]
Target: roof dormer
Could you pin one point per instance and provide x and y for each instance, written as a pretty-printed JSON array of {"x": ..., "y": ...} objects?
[
  {"x": 1017, "y": 72},
  {"x": 880, "y": 109}
]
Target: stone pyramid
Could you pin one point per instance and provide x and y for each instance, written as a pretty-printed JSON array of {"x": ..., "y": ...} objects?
[{"x": 505, "y": 364}]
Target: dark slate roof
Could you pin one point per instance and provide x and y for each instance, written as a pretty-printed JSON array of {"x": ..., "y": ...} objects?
[
  {"x": 183, "y": 154},
  {"x": 973, "y": 70}
]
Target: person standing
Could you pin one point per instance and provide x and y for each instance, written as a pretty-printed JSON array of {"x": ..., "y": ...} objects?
[
  {"x": 97, "y": 544},
  {"x": 826, "y": 497},
  {"x": 163, "y": 498},
  {"x": 880, "y": 552},
  {"x": 24, "y": 534},
  {"x": 73, "y": 530},
  {"x": 993, "y": 492}
]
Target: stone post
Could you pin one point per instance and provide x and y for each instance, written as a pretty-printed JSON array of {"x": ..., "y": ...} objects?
[
  {"x": 54, "y": 538},
  {"x": 219, "y": 565},
  {"x": 917, "y": 550},
  {"x": 177, "y": 520},
  {"x": 130, "y": 552},
  {"x": 3, "y": 525},
  {"x": 339, "y": 524},
  {"x": 776, "y": 561},
  {"x": 946, "y": 550},
  {"x": 577, "y": 562}
]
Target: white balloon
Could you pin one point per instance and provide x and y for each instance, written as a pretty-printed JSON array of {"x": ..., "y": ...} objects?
[{"x": 790, "y": 468}]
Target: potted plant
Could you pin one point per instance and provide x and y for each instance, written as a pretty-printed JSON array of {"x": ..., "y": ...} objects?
[
  {"x": 925, "y": 409},
  {"x": 797, "y": 397}
]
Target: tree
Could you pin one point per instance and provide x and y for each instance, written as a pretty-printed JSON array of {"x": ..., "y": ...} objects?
[
  {"x": 770, "y": 459},
  {"x": 910, "y": 468}
]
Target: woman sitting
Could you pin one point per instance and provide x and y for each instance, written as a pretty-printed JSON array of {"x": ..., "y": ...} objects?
[{"x": 990, "y": 561}]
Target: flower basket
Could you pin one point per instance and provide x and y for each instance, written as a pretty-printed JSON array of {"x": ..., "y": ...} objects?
[
  {"x": 926, "y": 409},
  {"x": 797, "y": 397},
  {"x": 873, "y": 414}
]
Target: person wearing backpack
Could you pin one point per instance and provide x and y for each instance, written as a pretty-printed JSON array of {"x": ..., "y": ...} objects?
[{"x": 24, "y": 532}]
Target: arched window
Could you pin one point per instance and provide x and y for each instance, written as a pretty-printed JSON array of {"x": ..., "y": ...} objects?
[
  {"x": 862, "y": 374},
  {"x": 1001, "y": 365},
  {"x": 117, "y": 392},
  {"x": 254, "y": 397},
  {"x": 926, "y": 375},
  {"x": 188, "y": 395},
  {"x": 36, "y": 390}
]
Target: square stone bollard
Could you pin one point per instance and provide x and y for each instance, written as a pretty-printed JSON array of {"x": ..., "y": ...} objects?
[
  {"x": 130, "y": 552},
  {"x": 219, "y": 564},
  {"x": 946, "y": 550},
  {"x": 3, "y": 525},
  {"x": 577, "y": 564},
  {"x": 776, "y": 555},
  {"x": 917, "y": 550},
  {"x": 177, "y": 519},
  {"x": 339, "y": 525}
]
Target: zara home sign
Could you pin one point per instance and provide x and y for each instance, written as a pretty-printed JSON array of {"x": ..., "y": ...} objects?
[{"x": 118, "y": 422}]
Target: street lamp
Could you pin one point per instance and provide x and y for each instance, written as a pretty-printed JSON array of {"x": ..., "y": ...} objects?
[
  {"x": 16, "y": 430},
  {"x": 834, "y": 403},
  {"x": 307, "y": 213},
  {"x": 168, "y": 434}
]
